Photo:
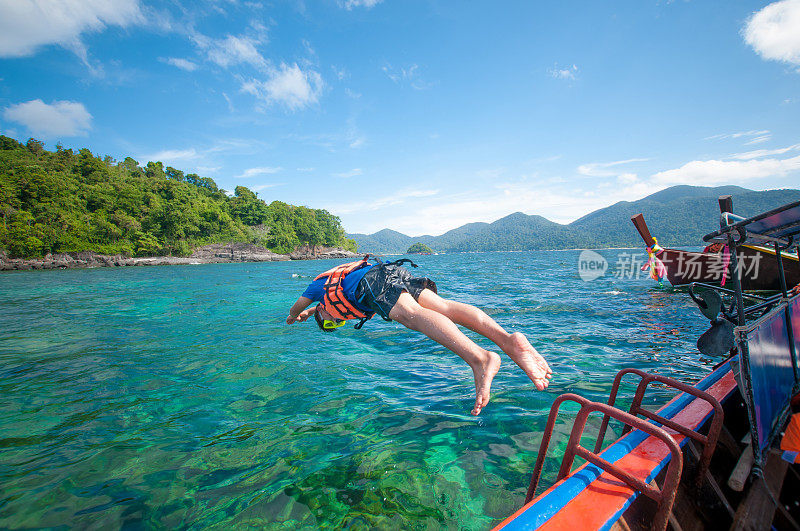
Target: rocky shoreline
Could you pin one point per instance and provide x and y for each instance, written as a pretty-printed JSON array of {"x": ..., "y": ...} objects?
[{"x": 209, "y": 254}]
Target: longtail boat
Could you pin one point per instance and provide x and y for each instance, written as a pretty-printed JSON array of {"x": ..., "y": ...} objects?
[
  {"x": 723, "y": 453},
  {"x": 757, "y": 265}
]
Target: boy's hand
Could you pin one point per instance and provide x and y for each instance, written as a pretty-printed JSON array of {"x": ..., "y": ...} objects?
[{"x": 305, "y": 314}]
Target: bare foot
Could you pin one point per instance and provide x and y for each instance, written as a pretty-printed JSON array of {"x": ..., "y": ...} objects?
[
  {"x": 484, "y": 374},
  {"x": 522, "y": 352}
]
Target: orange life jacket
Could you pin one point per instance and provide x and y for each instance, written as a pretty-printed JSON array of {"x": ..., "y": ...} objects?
[
  {"x": 791, "y": 437},
  {"x": 334, "y": 302}
]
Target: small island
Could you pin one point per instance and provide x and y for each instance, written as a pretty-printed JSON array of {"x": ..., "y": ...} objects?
[
  {"x": 419, "y": 248},
  {"x": 65, "y": 209}
]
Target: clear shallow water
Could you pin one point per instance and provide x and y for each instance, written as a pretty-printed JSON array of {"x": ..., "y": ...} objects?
[{"x": 177, "y": 397}]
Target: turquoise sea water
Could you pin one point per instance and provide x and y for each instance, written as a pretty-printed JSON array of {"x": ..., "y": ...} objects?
[{"x": 177, "y": 397}]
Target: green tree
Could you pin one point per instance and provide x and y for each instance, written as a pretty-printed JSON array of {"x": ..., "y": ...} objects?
[
  {"x": 147, "y": 244},
  {"x": 64, "y": 201},
  {"x": 306, "y": 226},
  {"x": 175, "y": 175},
  {"x": 36, "y": 147},
  {"x": 155, "y": 170}
]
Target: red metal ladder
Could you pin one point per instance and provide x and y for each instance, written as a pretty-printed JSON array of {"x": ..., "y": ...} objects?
[{"x": 665, "y": 496}]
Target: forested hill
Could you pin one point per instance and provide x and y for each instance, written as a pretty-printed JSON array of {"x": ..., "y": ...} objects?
[
  {"x": 61, "y": 201},
  {"x": 677, "y": 216}
]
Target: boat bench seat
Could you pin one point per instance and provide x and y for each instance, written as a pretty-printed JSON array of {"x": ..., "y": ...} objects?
[{"x": 589, "y": 498}]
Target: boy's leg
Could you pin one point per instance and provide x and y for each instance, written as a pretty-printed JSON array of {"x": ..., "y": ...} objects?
[
  {"x": 438, "y": 327},
  {"x": 516, "y": 345}
]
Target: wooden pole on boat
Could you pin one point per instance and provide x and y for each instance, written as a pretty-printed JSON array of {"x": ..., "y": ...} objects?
[
  {"x": 742, "y": 469},
  {"x": 644, "y": 232},
  {"x": 725, "y": 204},
  {"x": 734, "y": 268},
  {"x": 744, "y": 354}
]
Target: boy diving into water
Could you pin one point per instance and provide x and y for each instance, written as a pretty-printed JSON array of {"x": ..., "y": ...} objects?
[{"x": 359, "y": 290}]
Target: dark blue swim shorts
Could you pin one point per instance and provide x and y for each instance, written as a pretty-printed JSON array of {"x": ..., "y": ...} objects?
[{"x": 383, "y": 284}]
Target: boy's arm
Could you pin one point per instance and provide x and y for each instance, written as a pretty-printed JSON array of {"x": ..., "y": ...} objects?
[{"x": 298, "y": 312}]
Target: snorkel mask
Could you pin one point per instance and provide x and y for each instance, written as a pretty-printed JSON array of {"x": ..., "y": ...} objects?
[{"x": 327, "y": 325}]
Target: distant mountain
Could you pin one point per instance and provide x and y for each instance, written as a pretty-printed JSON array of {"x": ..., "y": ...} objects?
[
  {"x": 384, "y": 241},
  {"x": 684, "y": 191},
  {"x": 677, "y": 216}
]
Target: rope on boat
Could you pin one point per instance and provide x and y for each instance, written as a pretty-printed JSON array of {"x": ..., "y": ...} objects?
[{"x": 778, "y": 504}]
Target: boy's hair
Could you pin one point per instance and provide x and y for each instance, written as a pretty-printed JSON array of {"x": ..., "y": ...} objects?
[{"x": 318, "y": 319}]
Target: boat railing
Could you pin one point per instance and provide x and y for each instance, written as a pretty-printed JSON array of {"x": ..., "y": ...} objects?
[
  {"x": 729, "y": 218},
  {"x": 727, "y": 291},
  {"x": 768, "y": 344},
  {"x": 768, "y": 371},
  {"x": 776, "y": 225},
  {"x": 664, "y": 497},
  {"x": 708, "y": 442}
]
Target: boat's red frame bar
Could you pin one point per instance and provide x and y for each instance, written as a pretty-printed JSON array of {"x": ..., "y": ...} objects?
[
  {"x": 709, "y": 442},
  {"x": 664, "y": 497},
  {"x": 590, "y": 498}
]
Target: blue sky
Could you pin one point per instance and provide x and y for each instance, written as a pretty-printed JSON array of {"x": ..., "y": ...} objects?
[{"x": 417, "y": 115}]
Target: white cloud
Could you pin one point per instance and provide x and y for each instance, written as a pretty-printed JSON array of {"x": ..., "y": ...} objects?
[
  {"x": 242, "y": 146},
  {"x": 60, "y": 118},
  {"x": 758, "y": 140},
  {"x": 252, "y": 172},
  {"x": 764, "y": 153},
  {"x": 289, "y": 85},
  {"x": 358, "y": 142},
  {"x": 451, "y": 212},
  {"x": 753, "y": 133},
  {"x": 173, "y": 155},
  {"x": 601, "y": 169},
  {"x": 203, "y": 152},
  {"x": 556, "y": 200},
  {"x": 26, "y": 25},
  {"x": 347, "y": 174},
  {"x": 712, "y": 172},
  {"x": 261, "y": 187},
  {"x": 410, "y": 75},
  {"x": 305, "y": 169},
  {"x": 208, "y": 169},
  {"x": 205, "y": 159},
  {"x": 231, "y": 50},
  {"x": 570, "y": 72},
  {"x": 397, "y": 198},
  {"x": 774, "y": 32},
  {"x": 627, "y": 178},
  {"x": 351, "y": 4},
  {"x": 437, "y": 215},
  {"x": 229, "y": 102},
  {"x": 183, "y": 64}
]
